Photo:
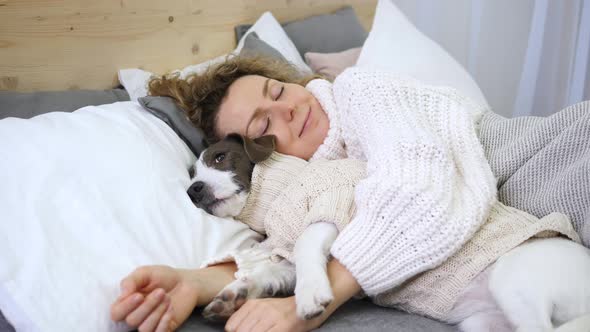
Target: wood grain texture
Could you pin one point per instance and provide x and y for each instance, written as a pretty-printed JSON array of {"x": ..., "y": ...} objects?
[{"x": 80, "y": 44}]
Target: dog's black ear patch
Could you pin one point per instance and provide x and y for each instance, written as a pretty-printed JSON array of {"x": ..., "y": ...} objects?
[
  {"x": 259, "y": 149},
  {"x": 236, "y": 137},
  {"x": 267, "y": 141}
]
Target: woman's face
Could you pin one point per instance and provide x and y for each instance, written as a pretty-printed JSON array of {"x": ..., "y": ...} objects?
[{"x": 256, "y": 106}]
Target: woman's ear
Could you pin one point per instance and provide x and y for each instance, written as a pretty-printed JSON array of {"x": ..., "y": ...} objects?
[{"x": 259, "y": 149}]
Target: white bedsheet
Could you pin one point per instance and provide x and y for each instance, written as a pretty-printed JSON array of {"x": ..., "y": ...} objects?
[{"x": 86, "y": 197}]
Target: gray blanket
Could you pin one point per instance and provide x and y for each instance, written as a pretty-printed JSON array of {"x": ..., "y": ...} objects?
[{"x": 543, "y": 163}]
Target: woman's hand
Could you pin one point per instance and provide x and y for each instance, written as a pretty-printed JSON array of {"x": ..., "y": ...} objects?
[
  {"x": 160, "y": 298},
  {"x": 271, "y": 314},
  {"x": 280, "y": 314},
  {"x": 156, "y": 298}
]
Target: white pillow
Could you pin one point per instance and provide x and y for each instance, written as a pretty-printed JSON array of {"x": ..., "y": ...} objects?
[
  {"x": 395, "y": 44},
  {"x": 86, "y": 197},
  {"x": 268, "y": 29}
]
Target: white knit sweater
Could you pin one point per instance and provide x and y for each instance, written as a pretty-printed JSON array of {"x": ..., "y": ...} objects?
[{"x": 428, "y": 186}]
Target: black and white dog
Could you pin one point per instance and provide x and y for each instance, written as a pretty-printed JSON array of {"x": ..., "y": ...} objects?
[
  {"x": 221, "y": 183},
  {"x": 538, "y": 285}
]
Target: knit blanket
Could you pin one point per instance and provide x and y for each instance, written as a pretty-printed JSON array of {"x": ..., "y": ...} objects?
[{"x": 543, "y": 163}]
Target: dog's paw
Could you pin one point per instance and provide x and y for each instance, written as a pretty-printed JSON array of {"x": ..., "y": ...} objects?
[
  {"x": 228, "y": 301},
  {"x": 312, "y": 297}
]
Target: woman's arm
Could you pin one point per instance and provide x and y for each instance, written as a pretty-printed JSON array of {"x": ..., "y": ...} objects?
[
  {"x": 160, "y": 298},
  {"x": 279, "y": 314},
  {"x": 344, "y": 286},
  {"x": 212, "y": 280}
]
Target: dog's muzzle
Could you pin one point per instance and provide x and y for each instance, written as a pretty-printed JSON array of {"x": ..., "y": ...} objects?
[
  {"x": 196, "y": 191},
  {"x": 202, "y": 196}
]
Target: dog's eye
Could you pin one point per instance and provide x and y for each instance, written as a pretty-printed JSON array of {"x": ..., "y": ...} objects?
[{"x": 219, "y": 157}]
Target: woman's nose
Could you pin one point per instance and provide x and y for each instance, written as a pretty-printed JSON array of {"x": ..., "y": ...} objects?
[{"x": 283, "y": 112}]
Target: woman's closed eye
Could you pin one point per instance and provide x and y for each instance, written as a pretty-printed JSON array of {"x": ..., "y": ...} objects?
[
  {"x": 266, "y": 126},
  {"x": 278, "y": 92}
]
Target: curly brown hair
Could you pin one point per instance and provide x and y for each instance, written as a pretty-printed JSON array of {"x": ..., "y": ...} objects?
[{"x": 200, "y": 95}]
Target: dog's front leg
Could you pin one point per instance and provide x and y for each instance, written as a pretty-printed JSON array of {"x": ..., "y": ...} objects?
[
  {"x": 258, "y": 277},
  {"x": 313, "y": 292}
]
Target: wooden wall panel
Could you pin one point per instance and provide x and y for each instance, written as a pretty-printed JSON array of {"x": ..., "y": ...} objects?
[{"x": 80, "y": 44}]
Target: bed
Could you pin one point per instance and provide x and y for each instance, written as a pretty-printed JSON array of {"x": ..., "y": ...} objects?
[{"x": 94, "y": 58}]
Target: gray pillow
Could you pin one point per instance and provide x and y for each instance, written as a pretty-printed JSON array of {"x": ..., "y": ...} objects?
[
  {"x": 327, "y": 33},
  {"x": 26, "y": 105},
  {"x": 253, "y": 46},
  {"x": 4, "y": 324},
  {"x": 166, "y": 110}
]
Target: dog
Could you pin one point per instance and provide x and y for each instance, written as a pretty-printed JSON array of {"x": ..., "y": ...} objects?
[
  {"x": 539, "y": 284},
  {"x": 220, "y": 186}
]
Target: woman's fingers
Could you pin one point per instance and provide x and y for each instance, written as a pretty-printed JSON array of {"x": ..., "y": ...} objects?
[
  {"x": 276, "y": 328},
  {"x": 134, "y": 282},
  {"x": 236, "y": 319},
  {"x": 124, "y": 306},
  {"x": 151, "y": 302},
  {"x": 151, "y": 322},
  {"x": 248, "y": 323},
  {"x": 165, "y": 324},
  {"x": 253, "y": 316},
  {"x": 263, "y": 325}
]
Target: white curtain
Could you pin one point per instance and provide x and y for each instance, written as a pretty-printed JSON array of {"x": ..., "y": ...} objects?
[{"x": 530, "y": 57}]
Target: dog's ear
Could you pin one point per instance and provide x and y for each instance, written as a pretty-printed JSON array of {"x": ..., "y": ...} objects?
[
  {"x": 236, "y": 137},
  {"x": 259, "y": 149}
]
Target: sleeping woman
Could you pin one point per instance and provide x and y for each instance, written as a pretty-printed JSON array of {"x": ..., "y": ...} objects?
[{"x": 428, "y": 188}]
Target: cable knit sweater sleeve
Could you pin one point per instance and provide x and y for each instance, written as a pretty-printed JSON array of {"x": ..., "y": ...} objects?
[{"x": 428, "y": 186}]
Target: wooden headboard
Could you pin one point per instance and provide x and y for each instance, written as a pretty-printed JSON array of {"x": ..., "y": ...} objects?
[{"x": 80, "y": 44}]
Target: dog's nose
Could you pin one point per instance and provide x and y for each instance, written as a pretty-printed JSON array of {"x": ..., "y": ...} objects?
[
  {"x": 195, "y": 190},
  {"x": 197, "y": 186}
]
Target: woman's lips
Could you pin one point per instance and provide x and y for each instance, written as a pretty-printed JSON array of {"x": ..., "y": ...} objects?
[{"x": 306, "y": 122}]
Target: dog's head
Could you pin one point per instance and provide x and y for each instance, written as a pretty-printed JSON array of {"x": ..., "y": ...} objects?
[{"x": 223, "y": 173}]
